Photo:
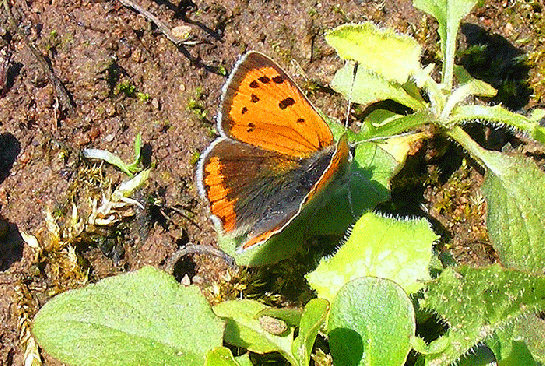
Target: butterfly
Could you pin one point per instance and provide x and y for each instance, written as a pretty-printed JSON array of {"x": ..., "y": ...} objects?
[{"x": 274, "y": 158}]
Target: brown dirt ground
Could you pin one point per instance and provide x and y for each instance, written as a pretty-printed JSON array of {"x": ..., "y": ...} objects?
[{"x": 97, "y": 47}]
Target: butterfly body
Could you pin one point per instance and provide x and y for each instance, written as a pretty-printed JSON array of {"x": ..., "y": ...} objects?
[{"x": 275, "y": 156}]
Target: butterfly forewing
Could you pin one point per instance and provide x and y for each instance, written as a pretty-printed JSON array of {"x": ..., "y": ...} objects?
[{"x": 263, "y": 107}]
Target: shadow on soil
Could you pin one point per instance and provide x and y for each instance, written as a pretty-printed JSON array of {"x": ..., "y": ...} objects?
[
  {"x": 492, "y": 58},
  {"x": 10, "y": 148},
  {"x": 11, "y": 242}
]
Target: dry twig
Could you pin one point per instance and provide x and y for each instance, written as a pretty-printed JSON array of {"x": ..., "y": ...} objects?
[{"x": 198, "y": 249}]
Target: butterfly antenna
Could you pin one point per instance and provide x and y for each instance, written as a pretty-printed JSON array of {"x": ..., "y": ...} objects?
[
  {"x": 349, "y": 195},
  {"x": 350, "y": 94}
]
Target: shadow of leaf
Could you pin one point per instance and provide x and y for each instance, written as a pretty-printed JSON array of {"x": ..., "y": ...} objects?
[
  {"x": 346, "y": 347},
  {"x": 10, "y": 148}
]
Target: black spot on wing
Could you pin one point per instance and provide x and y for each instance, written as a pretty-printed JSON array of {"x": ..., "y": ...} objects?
[{"x": 286, "y": 103}]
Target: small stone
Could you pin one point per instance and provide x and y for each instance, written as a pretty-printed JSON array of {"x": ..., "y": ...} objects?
[
  {"x": 273, "y": 325},
  {"x": 181, "y": 32},
  {"x": 198, "y": 280},
  {"x": 44, "y": 97},
  {"x": 156, "y": 104},
  {"x": 185, "y": 280},
  {"x": 136, "y": 55},
  {"x": 109, "y": 138},
  {"x": 123, "y": 51}
]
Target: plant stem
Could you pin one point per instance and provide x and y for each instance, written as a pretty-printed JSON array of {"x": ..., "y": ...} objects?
[
  {"x": 475, "y": 150},
  {"x": 448, "y": 63}
]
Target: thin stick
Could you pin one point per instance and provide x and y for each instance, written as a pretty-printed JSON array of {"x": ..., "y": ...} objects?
[{"x": 198, "y": 249}]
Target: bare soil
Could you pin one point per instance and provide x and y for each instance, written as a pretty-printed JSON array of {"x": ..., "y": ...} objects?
[{"x": 122, "y": 77}]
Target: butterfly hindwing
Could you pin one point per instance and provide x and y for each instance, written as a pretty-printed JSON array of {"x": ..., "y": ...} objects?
[{"x": 258, "y": 200}]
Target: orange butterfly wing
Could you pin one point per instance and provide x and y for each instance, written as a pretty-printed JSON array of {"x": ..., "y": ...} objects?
[
  {"x": 263, "y": 107},
  {"x": 275, "y": 154}
]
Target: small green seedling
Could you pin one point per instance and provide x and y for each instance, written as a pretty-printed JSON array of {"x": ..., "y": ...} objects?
[
  {"x": 115, "y": 160},
  {"x": 196, "y": 106},
  {"x": 142, "y": 97},
  {"x": 110, "y": 209},
  {"x": 127, "y": 88}
]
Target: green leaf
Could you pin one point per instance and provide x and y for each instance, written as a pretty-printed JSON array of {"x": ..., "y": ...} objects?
[
  {"x": 512, "y": 344},
  {"x": 314, "y": 315},
  {"x": 461, "y": 75},
  {"x": 244, "y": 329},
  {"x": 220, "y": 356},
  {"x": 127, "y": 188},
  {"x": 107, "y": 157},
  {"x": 531, "y": 330},
  {"x": 137, "y": 318},
  {"x": 244, "y": 360},
  {"x": 436, "y": 346},
  {"x": 366, "y": 88},
  {"x": 500, "y": 115},
  {"x": 384, "y": 247},
  {"x": 379, "y": 51},
  {"x": 371, "y": 323},
  {"x": 290, "y": 316},
  {"x": 371, "y": 171},
  {"x": 383, "y": 123},
  {"x": 537, "y": 114},
  {"x": 476, "y": 302},
  {"x": 473, "y": 87},
  {"x": 115, "y": 160},
  {"x": 448, "y": 13},
  {"x": 134, "y": 167},
  {"x": 514, "y": 189}
]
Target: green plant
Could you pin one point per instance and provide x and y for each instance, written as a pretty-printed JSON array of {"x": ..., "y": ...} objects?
[
  {"x": 53, "y": 40},
  {"x": 107, "y": 214},
  {"x": 377, "y": 288},
  {"x": 142, "y": 97},
  {"x": 127, "y": 88},
  {"x": 115, "y": 160},
  {"x": 196, "y": 106}
]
